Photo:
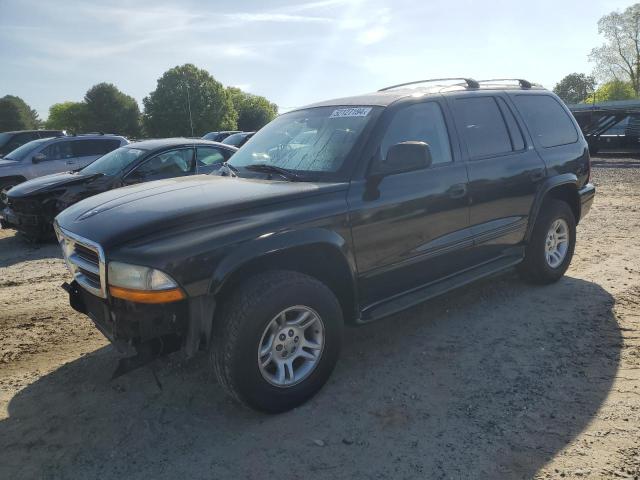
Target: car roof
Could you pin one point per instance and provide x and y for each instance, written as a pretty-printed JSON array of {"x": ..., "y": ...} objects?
[
  {"x": 157, "y": 143},
  {"x": 13, "y": 132},
  {"x": 385, "y": 97}
]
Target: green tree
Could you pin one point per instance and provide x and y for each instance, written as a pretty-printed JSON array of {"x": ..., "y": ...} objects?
[
  {"x": 15, "y": 114},
  {"x": 254, "y": 112},
  {"x": 619, "y": 57},
  {"x": 183, "y": 92},
  {"x": 70, "y": 116},
  {"x": 610, "y": 91},
  {"x": 575, "y": 87},
  {"x": 110, "y": 110}
]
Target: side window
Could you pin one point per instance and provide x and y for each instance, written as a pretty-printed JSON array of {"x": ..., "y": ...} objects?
[
  {"x": 175, "y": 163},
  {"x": 20, "y": 139},
  {"x": 207, "y": 156},
  {"x": 92, "y": 148},
  {"x": 422, "y": 122},
  {"x": 548, "y": 121},
  {"x": 58, "y": 151},
  {"x": 482, "y": 126},
  {"x": 517, "y": 141}
]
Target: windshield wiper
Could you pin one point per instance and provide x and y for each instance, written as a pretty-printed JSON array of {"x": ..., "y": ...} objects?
[
  {"x": 267, "y": 168},
  {"x": 233, "y": 171}
]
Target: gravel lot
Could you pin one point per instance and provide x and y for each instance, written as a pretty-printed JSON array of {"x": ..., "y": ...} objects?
[{"x": 496, "y": 380}]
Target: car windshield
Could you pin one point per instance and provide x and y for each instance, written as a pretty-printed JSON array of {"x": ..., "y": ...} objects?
[
  {"x": 234, "y": 139},
  {"x": 311, "y": 140},
  {"x": 114, "y": 162},
  {"x": 22, "y": 151}
]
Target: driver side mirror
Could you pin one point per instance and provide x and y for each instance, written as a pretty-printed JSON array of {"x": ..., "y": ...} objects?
[
  {"x": 38, "y": 157},
  {"x": 407, "y": 156}
]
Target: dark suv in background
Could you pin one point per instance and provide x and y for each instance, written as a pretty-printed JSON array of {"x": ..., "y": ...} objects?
[
  {"x": 348, "y": 210},
  {"x": 11, "y": 140}
]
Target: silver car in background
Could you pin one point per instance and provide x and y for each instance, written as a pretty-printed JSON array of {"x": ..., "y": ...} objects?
[{"x": 53, "y": 155}]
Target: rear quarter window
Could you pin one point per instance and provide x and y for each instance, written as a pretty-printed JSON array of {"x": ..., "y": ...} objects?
[{"x": 548, "y": 122}]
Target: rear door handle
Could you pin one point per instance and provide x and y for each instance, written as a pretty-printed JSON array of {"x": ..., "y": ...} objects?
[{"x": 458, "y": 191}]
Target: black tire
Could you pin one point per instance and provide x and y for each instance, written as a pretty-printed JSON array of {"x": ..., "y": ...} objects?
[
  {"x": 535, "y": 267},
  {"x": 239, "y": 329}
]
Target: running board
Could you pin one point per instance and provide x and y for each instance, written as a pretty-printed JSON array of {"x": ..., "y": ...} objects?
[{"x": 419, "y": 295}]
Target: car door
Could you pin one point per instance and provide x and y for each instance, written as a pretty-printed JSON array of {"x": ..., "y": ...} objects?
[
  {"x": 210, "y": 159},
  {"x": 410, "y": 228},
  {"x": 169, "y": 164},
  {"x": 504, "y": 169},
  {"x": 54, "y": 158}
]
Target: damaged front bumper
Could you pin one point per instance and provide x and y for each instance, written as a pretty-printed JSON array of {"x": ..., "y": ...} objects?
[{"x": 146, "y": 331}]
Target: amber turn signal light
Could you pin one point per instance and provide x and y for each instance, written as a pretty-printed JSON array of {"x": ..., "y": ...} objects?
[{"x": 147, "y": 296}]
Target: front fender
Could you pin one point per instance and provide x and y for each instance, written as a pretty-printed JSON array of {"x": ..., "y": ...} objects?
[{"x": 271, "y": 243}]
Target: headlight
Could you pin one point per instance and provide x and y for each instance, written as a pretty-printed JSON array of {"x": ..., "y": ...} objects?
[{"x": 142, "y": 284}]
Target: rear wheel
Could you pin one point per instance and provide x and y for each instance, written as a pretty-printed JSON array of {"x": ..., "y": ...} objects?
[
  {"x": 277, "y": 340},
  {"x": 552, "y": 243}
]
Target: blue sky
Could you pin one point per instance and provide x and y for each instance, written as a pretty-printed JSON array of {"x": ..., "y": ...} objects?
[{"x": 294, "y": 53}]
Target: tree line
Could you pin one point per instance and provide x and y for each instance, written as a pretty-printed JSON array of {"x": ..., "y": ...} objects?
[
  {"x": 616, "y": 74},
  {"x": 188, "y": 101}
]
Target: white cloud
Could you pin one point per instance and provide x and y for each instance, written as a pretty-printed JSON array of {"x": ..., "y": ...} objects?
[
  {"x": 372, "y": 35},
  {"x": 276, "y": 17}
]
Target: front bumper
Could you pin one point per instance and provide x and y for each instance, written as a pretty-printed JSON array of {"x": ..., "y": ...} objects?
[
  {"x": 586, "y": 194},
  {"x": 21, "y": 221},
  {"x": 131, "y": 326}
]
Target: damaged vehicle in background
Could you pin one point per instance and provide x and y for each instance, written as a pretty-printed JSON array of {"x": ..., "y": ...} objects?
[
  {"x": 32, "y": 205},
  {"x": 346, "y": 211},
  {"x": 52, "y": 155}
]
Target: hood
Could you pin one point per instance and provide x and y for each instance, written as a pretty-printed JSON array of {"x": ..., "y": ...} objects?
[
  {"x": 48, "y": 183},
  {"x": 125, "y": 214},
  {"x": 8, "y": 163}
]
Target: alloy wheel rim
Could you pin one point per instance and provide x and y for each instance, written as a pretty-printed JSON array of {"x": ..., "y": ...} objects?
[
  {"x": 557, "y": 243},
  {"x": 291, "y": 346}
]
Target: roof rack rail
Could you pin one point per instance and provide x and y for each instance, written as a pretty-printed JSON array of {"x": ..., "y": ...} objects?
[
  {"x": 523, "y": 83},
  {"x": 471, "y": 83}
]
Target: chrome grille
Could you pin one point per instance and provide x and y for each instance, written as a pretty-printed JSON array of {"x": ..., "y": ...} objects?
[{"x": 85, "y": 260}]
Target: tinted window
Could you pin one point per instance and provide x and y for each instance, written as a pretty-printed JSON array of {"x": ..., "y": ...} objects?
[
  {"x": 20, "y": 139},
  {"x": 58, "y": 151},
  {"x": 422, "y": 123},
  {"x": 548, "y": 122},
  {"x": 88, "y": 148},
  {"x": 207, "y": 156},
  {"x": 482, "y": 126},
  {"x": 517, "y": 141},
  {"x": 174, "y": 163}
]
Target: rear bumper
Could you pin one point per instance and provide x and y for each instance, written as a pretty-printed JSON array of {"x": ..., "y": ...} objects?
[{"x": 586, "y": 194}]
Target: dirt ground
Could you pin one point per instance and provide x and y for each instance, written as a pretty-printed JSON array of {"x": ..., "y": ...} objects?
[{"x": 496, "y": 380}]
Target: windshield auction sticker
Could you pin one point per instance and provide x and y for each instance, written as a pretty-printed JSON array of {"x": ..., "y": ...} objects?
[{"x": 350, "y": 112}]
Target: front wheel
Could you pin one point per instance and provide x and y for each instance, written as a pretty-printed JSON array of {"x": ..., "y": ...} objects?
[
  {"x": 277, "y": 340},
  {"x": 551, "y": 246}
]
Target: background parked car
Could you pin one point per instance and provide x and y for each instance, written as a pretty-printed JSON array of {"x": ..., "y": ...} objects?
[
  {"x": 238, "y": 139},
  {"x": 52, "y": 155},
  {"x": 11, "y": 140},
  {"x": 219, "y": 136},
  {"x": 32, "y": 205}
]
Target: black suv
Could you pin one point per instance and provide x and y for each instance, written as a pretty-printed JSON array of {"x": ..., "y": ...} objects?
[
  {"x": 345, "y": 211},
  {"x": 9, "y": 141}
]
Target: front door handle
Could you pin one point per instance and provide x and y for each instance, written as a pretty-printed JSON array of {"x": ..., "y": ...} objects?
[{"x": 458, "y": 191}]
